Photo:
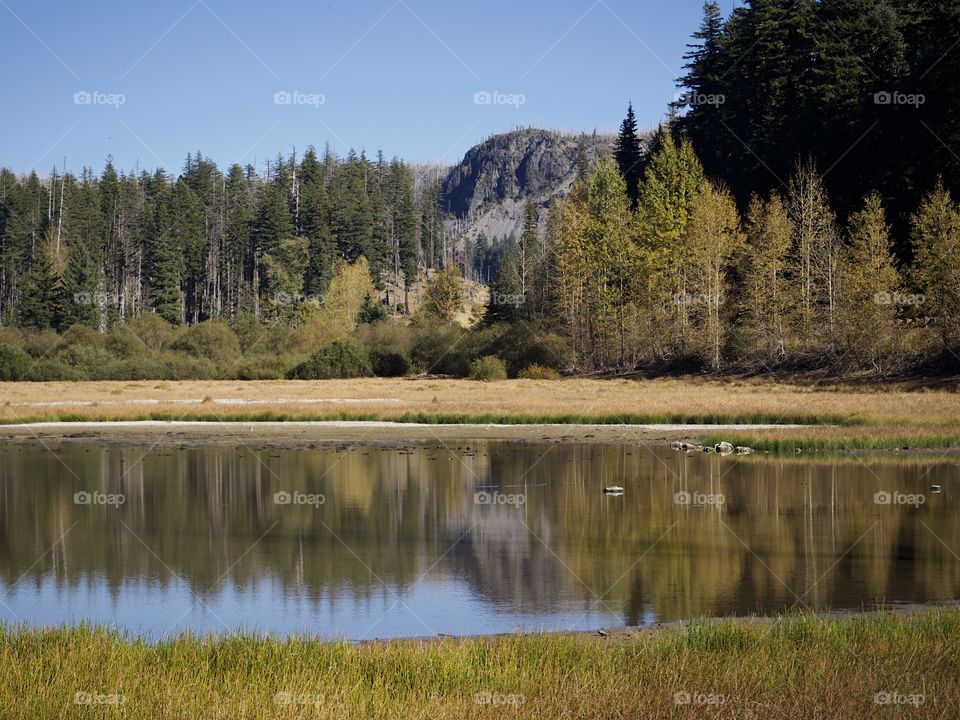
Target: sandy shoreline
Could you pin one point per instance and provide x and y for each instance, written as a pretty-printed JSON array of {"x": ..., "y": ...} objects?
[{"x": 301, "y": 433}]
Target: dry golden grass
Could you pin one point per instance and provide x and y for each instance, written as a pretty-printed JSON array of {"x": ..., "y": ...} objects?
[
  {"x": 848, "y": 416},
  {"x": 512, "y": 398}
]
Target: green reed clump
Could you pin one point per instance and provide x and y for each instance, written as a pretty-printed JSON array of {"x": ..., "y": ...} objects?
[{"x": 800, "y": 665}]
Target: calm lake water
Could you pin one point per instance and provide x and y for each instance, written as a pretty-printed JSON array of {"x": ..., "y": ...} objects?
[{"x": 487, "y": 537}]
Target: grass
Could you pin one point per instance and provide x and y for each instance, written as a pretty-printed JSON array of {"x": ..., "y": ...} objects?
[
  {"x": 847, "y": 416},
  {"x": 800, "y": 666},
  {"x": 454, "y": 419}
]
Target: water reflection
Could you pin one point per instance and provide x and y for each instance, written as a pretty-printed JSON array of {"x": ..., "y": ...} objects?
[{"x": 485, "y": 537}]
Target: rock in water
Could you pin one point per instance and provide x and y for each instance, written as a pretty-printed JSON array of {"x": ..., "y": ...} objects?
[{"x": 724, "y": 448}]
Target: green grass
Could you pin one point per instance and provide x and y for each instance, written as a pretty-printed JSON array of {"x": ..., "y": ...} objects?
[
  {"x": 463, "y": 418},
  {"x": 800, "y": 666},
  {"x": 788, "y": 445}
]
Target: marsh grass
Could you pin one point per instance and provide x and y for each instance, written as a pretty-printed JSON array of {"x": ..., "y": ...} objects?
[
  {"x": 799, "y": 666},
  {"x": 454, "y": 418}
]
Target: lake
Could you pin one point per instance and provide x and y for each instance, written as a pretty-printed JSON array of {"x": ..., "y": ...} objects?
[{"x": 471, "y": 538}]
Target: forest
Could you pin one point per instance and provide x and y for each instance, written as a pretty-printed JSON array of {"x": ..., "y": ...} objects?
[{"x": 793, "y": 212}]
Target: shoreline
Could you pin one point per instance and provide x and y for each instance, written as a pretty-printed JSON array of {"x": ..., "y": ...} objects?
[{"x": 325, "y": 432}]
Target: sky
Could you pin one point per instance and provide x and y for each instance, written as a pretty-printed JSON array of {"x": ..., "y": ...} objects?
[{"x": 424, "y": 80}]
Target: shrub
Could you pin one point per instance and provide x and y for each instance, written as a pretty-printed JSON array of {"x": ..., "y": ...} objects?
[
  {"x": 41, "y": 343},
  {"x": 488, "y": 367},
  {"x": 433, "y": 346},
  {"x": 83, "y": 335},
  {"x": 14, "y": 362},
  {"x": 389, "y": 364},
  {"x": 525, "y": 344},
  {"x": 338, "y": 359},
  {"x": 87, "y": 359},
  {"x": 262, "y": 367},
  {"x": 124, "y": 343},
  {"x": 211, "y": 339},
  {"x": 155, "y": 332},
  {"x": 49, "y": 370},
  {"x": 538, "y": 372}
]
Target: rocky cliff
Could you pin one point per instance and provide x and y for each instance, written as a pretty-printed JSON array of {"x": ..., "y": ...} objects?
[{"x": 487, "y": 191}]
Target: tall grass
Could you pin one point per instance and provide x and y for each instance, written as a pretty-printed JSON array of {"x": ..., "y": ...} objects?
[
  {"x": 800, "y": 666},
  {"x": 434, "y": 418}
]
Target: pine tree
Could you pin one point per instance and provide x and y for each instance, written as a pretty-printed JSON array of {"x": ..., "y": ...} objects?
[
  {"x": 38, "y": 298},
  {"x": 628, "y": 154},
  {"x": 78, "y": 290}
]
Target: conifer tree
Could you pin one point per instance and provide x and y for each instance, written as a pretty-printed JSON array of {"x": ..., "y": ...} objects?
[{"x": 628, "y": 154}]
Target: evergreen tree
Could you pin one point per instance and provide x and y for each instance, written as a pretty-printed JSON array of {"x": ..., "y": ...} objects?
[
  {"x": 39, "y": 293},
  {"x": 629, "y": 155},
  {"x": 78, "y": 290}
]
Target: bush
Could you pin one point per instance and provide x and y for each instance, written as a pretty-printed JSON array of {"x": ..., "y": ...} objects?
[
  {"x": 41, "y": 343},
  {"x": 538, "y": 372},
  {"x": 211, "y": 339},
  {"x": 49, "y": 370},
  {"x": 124, "y": 343},
  {"x": 262, "y": 367},
  {"x": 14, "y": 362},
  {"x": 488, "y": 367},
  {"x": 389, "y": 364},
  {"x": 83, "y": 335},
  {"x": 432, "y": 348},
  {"x": 87, "y": 359},
  {"x": 526, "y": 344},
  {"x": 155, "y": 332},
  {"x": 338, "y": 359}
]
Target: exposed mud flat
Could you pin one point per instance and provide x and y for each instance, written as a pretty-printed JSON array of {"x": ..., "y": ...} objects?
[{"x": 298, "y": 434}]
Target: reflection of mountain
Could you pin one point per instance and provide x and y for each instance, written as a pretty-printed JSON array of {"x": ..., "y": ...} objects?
[{"x": 788, "y": 529}]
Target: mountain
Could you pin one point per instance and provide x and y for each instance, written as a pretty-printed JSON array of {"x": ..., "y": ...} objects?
[{"x": 487, "y": 191}]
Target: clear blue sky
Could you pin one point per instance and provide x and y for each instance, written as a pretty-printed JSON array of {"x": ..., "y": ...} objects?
[{"x": 399, "y": 76}]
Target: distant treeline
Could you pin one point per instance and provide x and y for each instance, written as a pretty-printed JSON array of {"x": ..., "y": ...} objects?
[{"x": 205, "y": 244}]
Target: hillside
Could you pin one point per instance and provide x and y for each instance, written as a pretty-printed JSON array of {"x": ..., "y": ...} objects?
[{"x": 487, "y": 191}]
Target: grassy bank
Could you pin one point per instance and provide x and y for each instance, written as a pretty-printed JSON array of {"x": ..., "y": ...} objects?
[
  {"x": 802, "y": 666},
  {"x": 845, "y": 416}
]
